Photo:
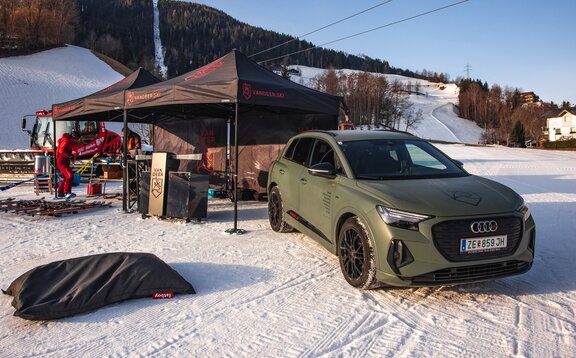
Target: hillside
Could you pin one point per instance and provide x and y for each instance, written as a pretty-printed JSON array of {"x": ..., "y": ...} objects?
[
  {"x": 30, "y": 83},
  {"x": 437, "y": 101},
  {"x": 192, "y": 35},
  {"x": 187, "y": 34}
]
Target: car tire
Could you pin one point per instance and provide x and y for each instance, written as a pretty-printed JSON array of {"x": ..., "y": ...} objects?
[
  {"x": 276, "y": 212},
  {"x": 356, "y": 254}
]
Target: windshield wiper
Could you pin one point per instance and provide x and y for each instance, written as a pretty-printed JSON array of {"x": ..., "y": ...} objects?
[{"x": 369, "y": 177}]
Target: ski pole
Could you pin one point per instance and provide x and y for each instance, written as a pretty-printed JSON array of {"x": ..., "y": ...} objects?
[{"x": 9, "y": 186}]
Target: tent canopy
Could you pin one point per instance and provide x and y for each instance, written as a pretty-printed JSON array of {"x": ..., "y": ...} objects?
[
  {"x": 209, "y": 91},
  {"x": 104, "y": 104},
  {"x": 233, "y": 78}
]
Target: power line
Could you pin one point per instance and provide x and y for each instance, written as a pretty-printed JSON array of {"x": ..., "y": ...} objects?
[
  {"x": 322, "y": 28},
  {"x": 367, "y": 31}
]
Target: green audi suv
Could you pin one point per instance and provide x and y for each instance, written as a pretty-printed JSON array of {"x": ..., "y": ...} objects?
[{"x": 397, "y": 211}]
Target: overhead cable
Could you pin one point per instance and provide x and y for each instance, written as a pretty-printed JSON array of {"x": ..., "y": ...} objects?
[
  {"x": 367, "y": 31},
  {"x": 322, "y": 28}
]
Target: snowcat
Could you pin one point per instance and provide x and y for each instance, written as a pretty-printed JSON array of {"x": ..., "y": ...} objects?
[{"x": 94, "y": 140}]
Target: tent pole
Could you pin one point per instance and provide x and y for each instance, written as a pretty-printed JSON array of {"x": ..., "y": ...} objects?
[
  {"x": 55, "y": 168},
  {"x": 236, "y": 169},
  {"x": 125, "y": 164},
  {"x": 227, "y": 173},
  {"x": 235, "y": 230}
]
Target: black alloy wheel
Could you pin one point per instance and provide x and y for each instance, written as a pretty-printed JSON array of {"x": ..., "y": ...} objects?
[
  {"x": 356, "y": 255},
  {"x": 276, "y": 212}
]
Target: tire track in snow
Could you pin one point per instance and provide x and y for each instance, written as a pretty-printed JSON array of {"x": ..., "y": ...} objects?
[{"x": 433, "y": 315}]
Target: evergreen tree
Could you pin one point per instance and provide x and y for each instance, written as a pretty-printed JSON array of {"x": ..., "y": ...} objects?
[{"x": 518, "y": 134}]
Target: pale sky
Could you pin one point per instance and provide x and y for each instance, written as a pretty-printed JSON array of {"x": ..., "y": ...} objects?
[{"x": 526, "y": 44}]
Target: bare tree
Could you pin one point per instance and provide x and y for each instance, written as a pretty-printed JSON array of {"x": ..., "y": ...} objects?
[
  {"x": 412, "y": 119},
  {"x": 38, "y": 23}
]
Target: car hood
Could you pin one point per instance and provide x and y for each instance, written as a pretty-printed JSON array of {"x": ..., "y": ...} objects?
[{"x": 463, "y": 196}]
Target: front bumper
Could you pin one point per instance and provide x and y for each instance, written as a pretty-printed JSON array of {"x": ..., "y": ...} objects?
[{"x": 431, "y": 267}]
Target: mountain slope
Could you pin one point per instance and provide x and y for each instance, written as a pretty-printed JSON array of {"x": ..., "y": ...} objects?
[
  {"x": 438, "y": 104},
  {"x": 30, "y": 83}
]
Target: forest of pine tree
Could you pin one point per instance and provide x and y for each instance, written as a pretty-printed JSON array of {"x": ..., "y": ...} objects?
[
  {"x": 121, "y": 29},
  {"x": 192, "y": 35},
  {"x": 195, "y": 34}
]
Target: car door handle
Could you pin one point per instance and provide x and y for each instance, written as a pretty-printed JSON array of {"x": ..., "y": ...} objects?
[
  {"x": 303, "y": 181},
  {"x": 281, "y": 171}
]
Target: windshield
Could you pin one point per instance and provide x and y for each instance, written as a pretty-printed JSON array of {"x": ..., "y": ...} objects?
[{"x": 383, "y": 159}]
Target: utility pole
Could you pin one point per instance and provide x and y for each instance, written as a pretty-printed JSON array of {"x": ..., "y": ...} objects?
[{"x": 467, "y": 68}]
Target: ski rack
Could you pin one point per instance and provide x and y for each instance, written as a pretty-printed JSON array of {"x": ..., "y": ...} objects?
[{"x": 43, "y": 207}]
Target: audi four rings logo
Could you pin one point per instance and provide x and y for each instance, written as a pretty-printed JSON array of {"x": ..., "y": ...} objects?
[{"x": 479, "y": 227}]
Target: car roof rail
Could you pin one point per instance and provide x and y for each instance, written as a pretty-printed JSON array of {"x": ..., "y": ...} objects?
[
  {"x": 330, "y": 133},
  {"x": 391, "y": 129}
]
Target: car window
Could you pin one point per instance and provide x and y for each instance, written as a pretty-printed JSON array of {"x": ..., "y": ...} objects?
[
  {"x": 322, "y": 153},
  {"x": 398, "y": 159},
  {"x": 302, "y": 150},
  {"x": 290, "y": 151},
  {"x": 421, "y": 158}
]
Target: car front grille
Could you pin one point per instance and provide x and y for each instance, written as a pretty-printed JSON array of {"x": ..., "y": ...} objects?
[
  {"x": 472, "y": 273},
  {"x": 447, "y": 236}
]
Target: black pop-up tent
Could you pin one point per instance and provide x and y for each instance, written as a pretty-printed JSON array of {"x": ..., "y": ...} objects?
[
  {"x": 231, "y": 89},
  {"x": 196, "y": 111},
  {"x": 107, "y": 104}
]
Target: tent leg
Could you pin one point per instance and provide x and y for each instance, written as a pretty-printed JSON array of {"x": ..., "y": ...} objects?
[
  {"x": 235, "y": 230},
  {"x": 125, "y": 164},
  {"x": 55, "y": 168},
  {"x": 227, "y": 174}
]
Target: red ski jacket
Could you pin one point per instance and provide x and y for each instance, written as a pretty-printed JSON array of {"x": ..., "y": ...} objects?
[{"x": 64, "y": 150}]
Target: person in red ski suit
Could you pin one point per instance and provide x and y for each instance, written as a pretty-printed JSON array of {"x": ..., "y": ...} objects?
[{"x": 63, "y": 160}]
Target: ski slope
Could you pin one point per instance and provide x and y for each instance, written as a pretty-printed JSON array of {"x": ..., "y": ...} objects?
[
  {"x": 438, "y": 104},
  {"x": 30, "y": 83}
]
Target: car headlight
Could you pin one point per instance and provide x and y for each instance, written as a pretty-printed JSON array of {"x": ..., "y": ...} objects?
[
  {"x": 525, "y": 211},
  {"x": 401, "y": 219}
]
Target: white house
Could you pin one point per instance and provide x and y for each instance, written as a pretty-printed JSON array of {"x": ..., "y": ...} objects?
[{"x": 561, "y": 124}]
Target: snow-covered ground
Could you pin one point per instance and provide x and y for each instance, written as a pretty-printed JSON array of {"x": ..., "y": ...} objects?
[
  {"x": 437, "y": 102},
  {"x": 269, "y": 294},
  {"x": 30, "y": 83},
  {"x": 266, "y": 294}
]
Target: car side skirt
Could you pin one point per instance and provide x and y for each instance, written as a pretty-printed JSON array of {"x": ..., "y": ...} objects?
[{"x": 306, "y": 224}]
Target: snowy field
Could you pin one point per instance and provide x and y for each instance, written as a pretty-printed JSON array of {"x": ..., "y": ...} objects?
[{"x": 265, "y": 294}]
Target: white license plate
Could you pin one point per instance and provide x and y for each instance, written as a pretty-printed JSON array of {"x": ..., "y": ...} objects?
[{"x": 484, "y": 243}]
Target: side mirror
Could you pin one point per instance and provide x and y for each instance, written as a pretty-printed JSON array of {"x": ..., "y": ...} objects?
[
  {"x": 324, "y": 169},
  {"x": 23, "y": 123}
]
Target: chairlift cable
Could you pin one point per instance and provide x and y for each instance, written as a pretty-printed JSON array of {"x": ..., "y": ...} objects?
[
  {"x": 322, "y": 28},
  {"x": 367, "y": 31}
]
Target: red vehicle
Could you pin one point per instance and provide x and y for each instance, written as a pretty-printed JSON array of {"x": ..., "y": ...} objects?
[
  {"x": 94, "y": 137},
  {"x": 345, "y": 126}
]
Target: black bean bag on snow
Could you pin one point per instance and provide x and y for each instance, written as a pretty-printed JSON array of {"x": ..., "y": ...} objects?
[{"x": 65, "y": 288}]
